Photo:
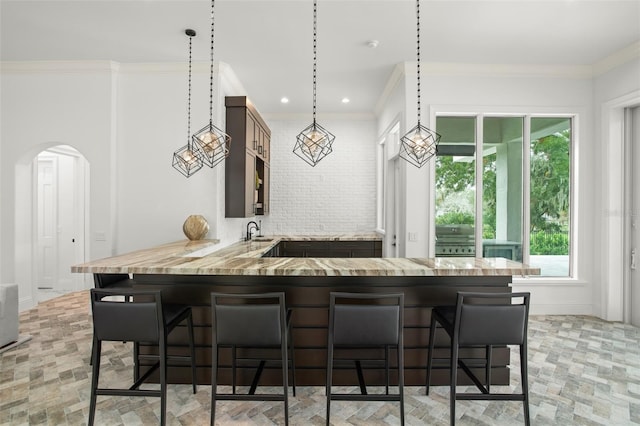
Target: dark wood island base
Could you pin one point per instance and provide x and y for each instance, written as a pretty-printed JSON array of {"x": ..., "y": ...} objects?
[{"x": 308, "y": 297}]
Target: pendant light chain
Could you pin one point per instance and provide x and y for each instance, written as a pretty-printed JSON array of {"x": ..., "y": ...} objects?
[
  {"x": 315, "y": 55},
  {"x": 211, "y": 70},
  {"x": 314, "y": 142},
  {"x": 418, "y": 50},
  {"x": 419, "y": 144},
  {"x": 189, "y": 98}
]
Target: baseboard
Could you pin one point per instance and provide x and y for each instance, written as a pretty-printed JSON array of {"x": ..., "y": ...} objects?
[
  {"x": 26, "y": 303},
  {"x": 551, "y": 309}
]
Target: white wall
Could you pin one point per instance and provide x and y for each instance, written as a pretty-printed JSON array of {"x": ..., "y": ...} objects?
[
  {"x": 43, "y": 105},
  {"x": 614, "y": 90},
  {"x": 153, "y": 198}
]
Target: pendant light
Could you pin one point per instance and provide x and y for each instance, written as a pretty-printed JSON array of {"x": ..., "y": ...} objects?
[
  {"x": 211, "y": 143},
  {"x": 420, "y": 143},
  {"x": 314, "y": 142},
  {"x": 185, "y": 159}
]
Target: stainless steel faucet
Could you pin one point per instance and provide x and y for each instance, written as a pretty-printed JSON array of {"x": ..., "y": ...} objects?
[{"x": 250, "y": 227}]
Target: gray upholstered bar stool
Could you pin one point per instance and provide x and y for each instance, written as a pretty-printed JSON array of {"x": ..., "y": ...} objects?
[
  {"x": 249, "y": 321},
  {"x": 483, "y": 320},
  {"x": 364, "y": 321},
  {"x": 139, "y": 317},
  {"x": 115, "y": 282}
]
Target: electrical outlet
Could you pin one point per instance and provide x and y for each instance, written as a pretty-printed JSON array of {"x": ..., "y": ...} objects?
[{"x": 413, "y": 236}]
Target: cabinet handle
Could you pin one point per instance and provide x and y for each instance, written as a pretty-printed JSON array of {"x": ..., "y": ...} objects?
[{"x": 260, "y": 150}]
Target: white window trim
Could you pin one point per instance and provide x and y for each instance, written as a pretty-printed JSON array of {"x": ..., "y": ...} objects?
[{"x": 480, "y": 112}]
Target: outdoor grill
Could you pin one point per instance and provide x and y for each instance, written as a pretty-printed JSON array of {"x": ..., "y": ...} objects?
[{"x": 455, "y": 241}]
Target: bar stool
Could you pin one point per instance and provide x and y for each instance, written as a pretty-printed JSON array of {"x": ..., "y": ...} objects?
[
  {"x": 365, "y": 323},
  {"x": 115, "y": 282},
  {"x": 249, "y": 321},
  {"x": 483, "y": 319},
  {"x": 141, "y": 319}
]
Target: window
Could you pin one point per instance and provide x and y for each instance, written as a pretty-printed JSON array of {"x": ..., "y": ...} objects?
[
  {"x": 549, "y": 205},
  {"x": 488, "y": 152}
]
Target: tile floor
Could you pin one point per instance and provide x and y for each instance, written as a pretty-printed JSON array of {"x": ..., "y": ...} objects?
[{"x": 583, "y": 371}]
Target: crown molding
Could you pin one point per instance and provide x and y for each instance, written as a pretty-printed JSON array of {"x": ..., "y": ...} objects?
[
  {"x": 57, "y": 67},
  {"x": 621, "y": 57},
  {"x": 498, "y": 70},
  {"x": 397, "y": 75},
  {"x": 229, "y": 79},
  {"x": 307, "y": 117}
]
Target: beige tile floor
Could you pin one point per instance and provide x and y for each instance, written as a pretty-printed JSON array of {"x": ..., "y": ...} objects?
[{"x": 583, "y": 371}]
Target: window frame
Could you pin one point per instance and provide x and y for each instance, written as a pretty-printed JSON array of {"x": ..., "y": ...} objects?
[{"x": 480, "y": 114}]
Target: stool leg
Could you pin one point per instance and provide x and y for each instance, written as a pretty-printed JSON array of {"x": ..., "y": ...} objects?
[
  {"x": 233, "y": 369},
  {"x": 454, "y": 379},
  {"x": 386, "y": 368},
  {"x": 192, "y": 350},
  {"x": 489, "y": 350},
  {"x": 285, "y": 379},
  {"x": 432, "y": 341},
  {"x": 163, "y": 383},
  {"x": 214, "y": 382},
  {"x": 95, "y": 359},
  {"x": 329, "y": 379},
  {"x": 400, "y": 361},
  {"x": 524, "y": 380}
]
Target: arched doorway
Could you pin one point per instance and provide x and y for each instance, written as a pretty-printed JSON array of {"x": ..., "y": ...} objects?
[
  {"x": 58, "y": 220},
  {"x": 51, "y": 213}
]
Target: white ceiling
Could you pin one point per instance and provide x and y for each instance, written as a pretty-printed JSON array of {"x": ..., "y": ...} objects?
[{"x": 269, "y": 43}]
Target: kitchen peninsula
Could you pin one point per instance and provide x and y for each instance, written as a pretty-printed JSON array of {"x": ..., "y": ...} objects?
[{"x": 188, "y": 271}]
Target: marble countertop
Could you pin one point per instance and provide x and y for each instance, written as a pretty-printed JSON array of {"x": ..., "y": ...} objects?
[{"x": 205, "y": 257}]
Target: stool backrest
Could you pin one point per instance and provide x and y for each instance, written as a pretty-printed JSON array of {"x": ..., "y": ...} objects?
[
  {"x": 248, "y": 319},
  {"x": 136, "y": 318},
  {"x": 107, "y": 280},
  {"x": 367, "y": 323},
  {"x": 491, "y": 318}
]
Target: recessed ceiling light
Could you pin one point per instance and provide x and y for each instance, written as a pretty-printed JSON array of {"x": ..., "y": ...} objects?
[
  {"x": 345, "y": 100},
  {"x": 373, "y": 44},
  {"x": 284, "y": 100}
]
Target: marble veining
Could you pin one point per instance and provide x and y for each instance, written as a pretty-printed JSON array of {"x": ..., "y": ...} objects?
[{"x": 202, "y": 257}]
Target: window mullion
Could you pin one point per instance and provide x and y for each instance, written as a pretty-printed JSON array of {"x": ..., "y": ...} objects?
[
  {"x": 526, "y": 189},
  {"x": 479, "y": 176}
]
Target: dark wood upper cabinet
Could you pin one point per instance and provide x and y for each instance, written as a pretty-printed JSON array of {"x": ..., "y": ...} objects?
[{"x": 247, "y": 167}]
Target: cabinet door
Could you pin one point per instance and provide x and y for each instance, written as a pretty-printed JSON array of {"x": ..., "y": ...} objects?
[
  {"x": 252, "y": 133},
  {"x": 265, "y": 184},
  {"x": 250, "y": 184},
  {"x": 266, "y": 147}
]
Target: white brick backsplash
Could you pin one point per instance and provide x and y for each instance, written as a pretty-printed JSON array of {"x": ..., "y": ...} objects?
[{"x": 338, "y": 195}]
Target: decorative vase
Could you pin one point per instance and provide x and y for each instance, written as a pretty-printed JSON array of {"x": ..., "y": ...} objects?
[{"x": 195, "y": 227}]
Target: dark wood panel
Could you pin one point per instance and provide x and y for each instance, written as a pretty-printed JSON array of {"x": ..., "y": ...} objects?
[{"x": 308, "y": 297}]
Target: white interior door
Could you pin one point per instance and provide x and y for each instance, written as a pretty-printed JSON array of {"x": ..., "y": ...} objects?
[
  {"x": 46, "y": 232},
  {"x": 60, "y": 214},
  {"x": 633, "y": 305}
]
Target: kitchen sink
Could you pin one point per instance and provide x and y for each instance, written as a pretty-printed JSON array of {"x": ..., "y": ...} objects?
[{"x": 262, "y": 239}]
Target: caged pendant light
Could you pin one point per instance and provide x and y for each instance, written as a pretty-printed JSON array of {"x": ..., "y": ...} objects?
[
  {"x": 420, "y": 143},
  {"x": 314, "y": 142},
  {"x": 185, "y": 159},
  {"x": 211, "y": 143}
]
